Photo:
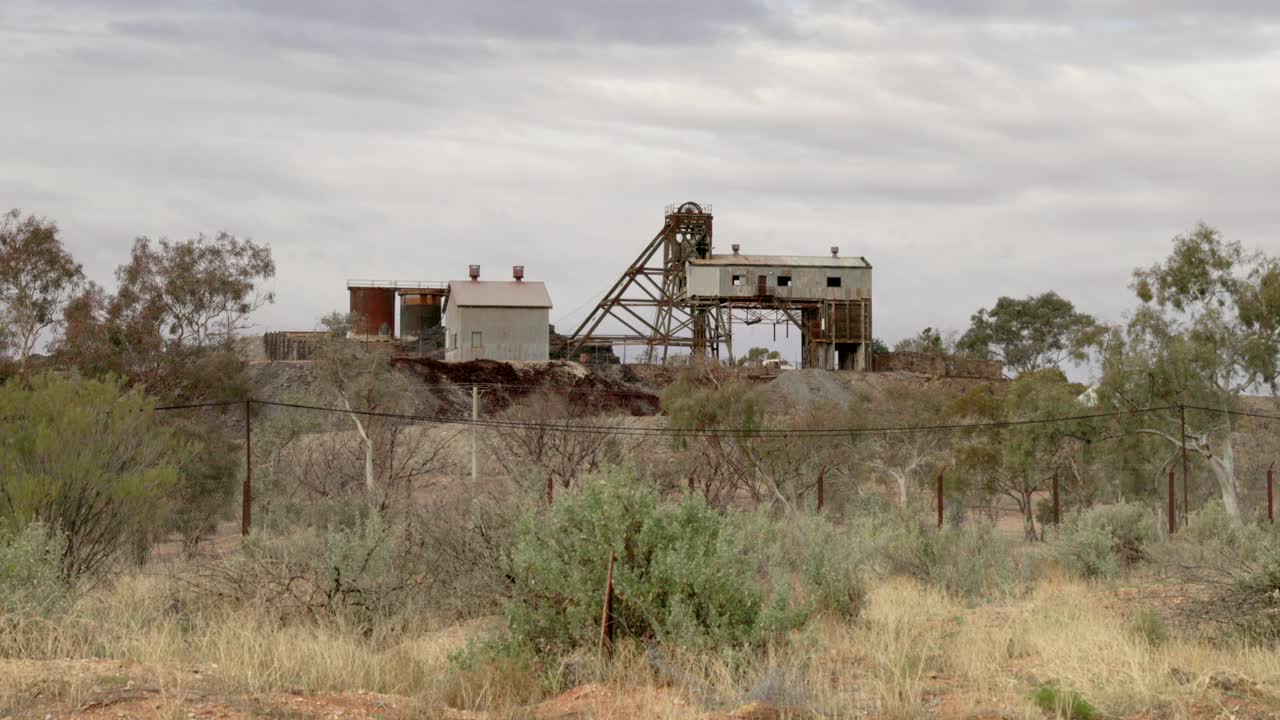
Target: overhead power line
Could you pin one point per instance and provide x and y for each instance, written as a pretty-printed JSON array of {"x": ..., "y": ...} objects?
[{"x": 705, "y": 432}]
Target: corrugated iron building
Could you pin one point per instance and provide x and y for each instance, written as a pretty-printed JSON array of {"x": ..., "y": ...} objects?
[
  {"x": 831, "y": 296},
  {"x": 506, "y": 320}
]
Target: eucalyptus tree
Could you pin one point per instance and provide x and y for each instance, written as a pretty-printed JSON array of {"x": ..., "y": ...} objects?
[
  {"x": 1032, "y": 333},
  {"x": 1207, "y": 333}
]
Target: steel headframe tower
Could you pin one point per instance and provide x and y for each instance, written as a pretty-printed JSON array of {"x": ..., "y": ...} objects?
[{"x": 651, "y": 298}]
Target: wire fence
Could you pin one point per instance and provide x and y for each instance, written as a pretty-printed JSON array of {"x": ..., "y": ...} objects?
[{"x": 553, "y": 425}]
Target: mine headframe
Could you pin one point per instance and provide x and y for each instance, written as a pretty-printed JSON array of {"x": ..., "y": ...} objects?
[{"x": 650, "y": 300}]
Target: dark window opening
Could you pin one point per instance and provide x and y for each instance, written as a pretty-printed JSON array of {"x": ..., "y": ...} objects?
[
  {"x": 833, "y": 282},
  {"x": 737, "y": 281},
  {"x": 784, "y": 281}
]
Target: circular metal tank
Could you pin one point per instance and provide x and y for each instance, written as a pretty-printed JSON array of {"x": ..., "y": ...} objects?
[
  {"x": 419, "y": 312},
  {"x": 376, "y": 310}
]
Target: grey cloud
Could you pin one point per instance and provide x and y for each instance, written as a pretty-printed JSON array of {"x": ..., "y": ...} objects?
[{"x": 966, "y": 155}]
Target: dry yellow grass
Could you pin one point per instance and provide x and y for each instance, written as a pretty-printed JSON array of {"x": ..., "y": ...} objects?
[{"x": 915, "y": 653}]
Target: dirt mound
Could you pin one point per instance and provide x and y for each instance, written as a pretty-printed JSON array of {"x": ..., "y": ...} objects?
[
  {"x": 605, "y": 389},
  {"x": 795, "y": 391}
]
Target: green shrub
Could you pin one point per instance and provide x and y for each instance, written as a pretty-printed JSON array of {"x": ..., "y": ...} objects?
[
  {"x": 1067, "y": 704},
  {"x": 1101, "y": 541},
  {"x": 685, "y": 575},
  {"x": 807, "y": 560},
  {"x": 972, "y": 561},
  {"x": 89, "y": 458},
  {"x": 1213, "y": 536},
  {"x": 31, "y": 581}
]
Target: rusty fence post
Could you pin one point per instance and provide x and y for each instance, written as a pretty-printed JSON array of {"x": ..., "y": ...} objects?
[
  {"x": 940, "y": 474},
  {"x": 1182, "y": 413},
  {"x": 821, "y": 474},
  {"x": 606, "y": 615},
  {"x": 1173, "y": 505},
  {"x": 1271, "y": 517},
  {"x": 247, "y": 491},
  {"x": 1057, "y": 517}
]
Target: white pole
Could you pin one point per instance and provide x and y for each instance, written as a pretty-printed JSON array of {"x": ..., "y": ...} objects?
[{"x": 475, "y": 429}]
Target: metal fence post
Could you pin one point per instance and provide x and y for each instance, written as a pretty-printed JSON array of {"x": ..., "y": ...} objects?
[
  {"x": 1271, "y": 517},
  {"x": 1057, "y": 518},
  {"x": 606, "y": 615},
  {"x": 1182, "y": 413},
  {"x": 821, "y": 474},
  {"x": 247, "y": 491},
  {"x": 940, "y": 474}
]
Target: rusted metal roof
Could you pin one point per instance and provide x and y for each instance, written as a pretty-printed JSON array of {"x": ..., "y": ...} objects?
[
  {"x": 824, "y": 261},
  {"x": 489, "y": 293}
]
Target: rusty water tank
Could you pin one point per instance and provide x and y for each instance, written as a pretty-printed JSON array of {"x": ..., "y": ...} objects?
[
  {"x": 419, "y": 312},
  {"x": 376, "y": 309}
]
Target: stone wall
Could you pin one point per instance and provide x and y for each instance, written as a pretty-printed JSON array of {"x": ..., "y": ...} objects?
[{"x": 939, "y": 365}]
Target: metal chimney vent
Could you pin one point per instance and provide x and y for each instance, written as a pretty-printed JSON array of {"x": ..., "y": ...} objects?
[
  {"x": 517, "y": 272},
  {"x": 835, "y": 251},
  {"x": 736, "y": 248},
  {"x": 474, "y": 271}
]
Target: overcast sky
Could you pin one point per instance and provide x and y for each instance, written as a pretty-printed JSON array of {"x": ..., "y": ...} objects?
[{"x": 968, "y": 148}]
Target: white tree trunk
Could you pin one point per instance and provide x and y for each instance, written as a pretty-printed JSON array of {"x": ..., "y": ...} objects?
[
  {"x": 901, "y": 478},
  {"x": 1224, "y": 469},
  {"x": 369, "y": 484}
]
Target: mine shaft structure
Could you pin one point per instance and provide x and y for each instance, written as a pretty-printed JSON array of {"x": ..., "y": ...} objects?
[{"x": 678, "y": 293}]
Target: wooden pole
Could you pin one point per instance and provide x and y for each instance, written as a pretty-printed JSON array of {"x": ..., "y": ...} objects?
[
  {"x": 475, "y": 432},
  {"x": 247, "y": 491},
  {"x": 821, "y": 474},
  {"x": 1057, "y": 518},
  {"x": 606, "y": 615},
  {"x": 1173, "y": 505}
]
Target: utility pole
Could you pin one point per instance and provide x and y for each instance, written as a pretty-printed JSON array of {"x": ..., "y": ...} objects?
[
  {"x": 1173, "y": 506},
  {"x": 475, "y": 433}
]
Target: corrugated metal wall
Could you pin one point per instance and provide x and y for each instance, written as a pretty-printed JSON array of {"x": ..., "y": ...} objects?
[{"x": 520, "y": 334}]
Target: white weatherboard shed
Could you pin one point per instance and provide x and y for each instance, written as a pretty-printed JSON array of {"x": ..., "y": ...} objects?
[{"x": 488, "y": 320}]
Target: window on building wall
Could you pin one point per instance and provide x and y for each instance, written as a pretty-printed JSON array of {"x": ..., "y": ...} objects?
[
  {"x": 737, "y": 281},
  {"x": 784, "y": 281},
  {"x": 833, "y": 281},
  {"x": 453, "y": 341},
  {"x": 476, "y": 340}
]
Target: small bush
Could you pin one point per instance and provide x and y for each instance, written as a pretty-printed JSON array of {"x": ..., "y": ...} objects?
[
  {"x": 685, "y": 575},
  {"x": 972, "y": 561},
  {"x": 1102, "y": 541},
  {"x": 1212, "y": 535},
  {"x": 1149, "y": 626},
  {"x": 807, "y": 560},
  {"x": 1067, "y": 704},
  {"x": 372, "y": 576},
  {"x": 31, "y": 581}
]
